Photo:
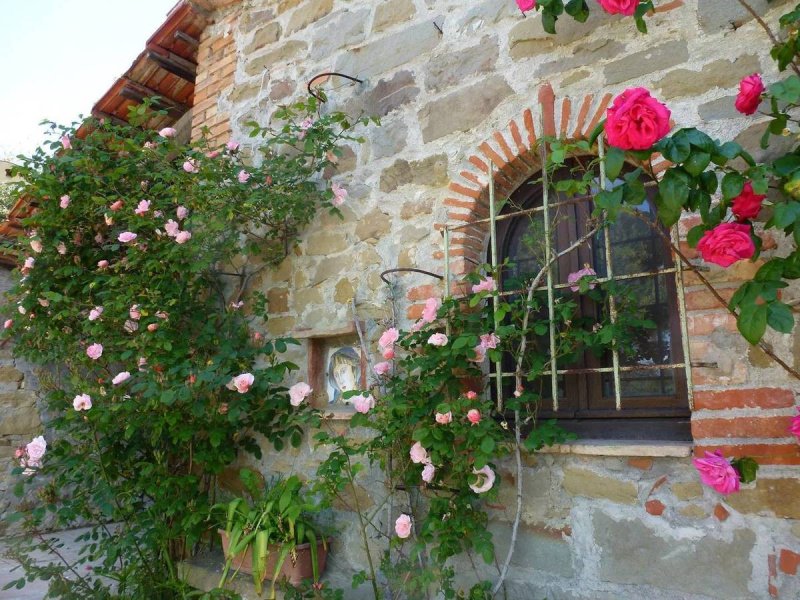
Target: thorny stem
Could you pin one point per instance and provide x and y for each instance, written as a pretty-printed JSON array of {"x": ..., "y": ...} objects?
[
  {"x": 766, "y": 28},
  {"x": 363, "y": 528},
  {"x": 54, "y": 550}
]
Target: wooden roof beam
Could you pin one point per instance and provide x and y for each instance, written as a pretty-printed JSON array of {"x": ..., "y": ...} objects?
[
  {"x": 171, "y": 62},
  {"x": 133, "y": 90},
  {"x": 187, "y": 39}
]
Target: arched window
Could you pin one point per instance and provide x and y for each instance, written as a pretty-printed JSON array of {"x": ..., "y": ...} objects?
[{"x": 653, "y": 399}]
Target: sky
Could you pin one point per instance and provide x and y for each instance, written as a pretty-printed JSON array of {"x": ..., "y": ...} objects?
[{"x": 58, "y": 57}]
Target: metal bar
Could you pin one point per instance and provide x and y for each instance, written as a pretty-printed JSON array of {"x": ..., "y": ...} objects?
[
  {"x": 682, "y": 316},
  {"x": 548, "y": 250},
  {"x": 612, "y": 302},
  {"x": 495, "y": 298},
  {"x": 561, "y": 286},
  {"x": 621, "y": 369},
  {"x": 446, "y": 262}
]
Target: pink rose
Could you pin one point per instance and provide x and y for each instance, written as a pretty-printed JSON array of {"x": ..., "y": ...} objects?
[
  {"x": 102, "y": 264},
  {"x": 232, "y": 146},
  {"x": 82, "y": 402},
  {"x": 152, "y": 327},
  {"x": 61, "y": 248},
  {"x": 486, "y": 285},
  {"x": 109, "y": 220},
  {"x": 142, "y": 363},
  {"x": 21, "y": 310},
  {"x": 339, "y": 194},
  {"x": 444, "y": 418},
  {"x": 580, "y": 274},
  {"x": 480, "y": 354},
  {"x": 485, "y": 480},
  {"x": 28, "y": 264},
  {"x": 428, "y": 472},
  {"x": 619, "y": 7},
  {"x": 66, "y": 142},
  {"x": 44, "y": 302},
  {"x": 388, "y": 354},
  {"x": 36, "y": 246},
  {"x": 418, "y": 454},
  {"x": 438, "y": 339},
  {"x": 190, "y": 166},
  {"x": 749, "y": 96},
  {"x": 716, "y": 472},
  {"x": 162, "y": 315},
  {"x": 362, "y": 403},
  {"x": 526, "y": 5},
  {"x": 182, "y": 212},
  {"x": 243, "y": 382},
  {"x": 389, "y": 337},
  {"x": 243, "y": 176},
  {"x": 474, "y": 416},
  {"x": 299, "y": 392},
  {"x": 402, "y": 526},
  {"x": 142, "y": 207},
  {"x": 115, "y": 206},
  {"x": 64, "y": 203},
  {"x": 36, "y": 448},
  {"x": 172, "y": 228},
  {"x": 212, "y": 154},
  {"x": 747, "y": 205},
  {"x": 94, "y": 351},
  {"x": 306, "y": 124},
  {"x": 168, "y": 132},
  {"x": 130, "y": 326},
  {"x": 636, "y": 120},
  {"x": 134, "y": 312},
  {"x": 8, "y": 324},
  {"x": 382, "y": 368},
  {"x": 432, "y": 306},
  {"x": 489, "y": 340},
  {"x": 794, "y": 427},
  {"x": 126, "y": 236},
  {"x": 237, "y": 305},
  {"x": 95, "y": 313},
  {"x": 183, "y": 236},
  {"x": 471, "y": 395},
  {"x": 726, "y": 244},
  {"x": 121, "y": 377}
]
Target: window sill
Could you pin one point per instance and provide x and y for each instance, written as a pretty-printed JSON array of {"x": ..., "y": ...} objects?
[{"x": 623, "y": 448}]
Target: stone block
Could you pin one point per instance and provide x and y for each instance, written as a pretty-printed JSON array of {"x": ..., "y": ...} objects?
[
  {"x": 390, "y": 94},
  {"x": 645, "y": 62},
  {"x": 268, "y": 33},
  {"x": 431, "y": 171},
  {"x": 279, "y": 55},
  {"x": 632, "y": 553},
  {"x": 389, "y": 52},
  {"x": 9, "y": 374},
  {"x": 780, "y": 497},
  {"x": 721, "y": 108},
  {"x": 344, "y": 292},
  {"x": 391, "y": 13},
  {"x": 454, "y": 68},
  {"x": 582, "y": 482},
  {"x": 308, "y": 14},
  {"x": 537, "y": 549},
  {"x": 463, "y": 109},
  {"x": 282, "y": 89},
  {"x": 750, "y": 139},
  {"x": 721, "y": 73},
  {"x": 485, "y": 14},
  {"x": 585, "y": 54},
  {"x": 19, "y": 420},
  {"x": 528, "y": 38},
  {"x": 373, "y": 225},
  {"x": 346, "y": 28},
  {"x": 280, "y": 325},
  {"x": 693, "y": 511},
  {"x": 278, "y": 300},
  {"x": 715, "y": 16},
  {"x": 688, "y": 490},
  {"x": 388, "y": 139},
  {"x": 410, "y": 210},
  {"x": 323, "y": 243},
  {"x": 306, "y": 297}
]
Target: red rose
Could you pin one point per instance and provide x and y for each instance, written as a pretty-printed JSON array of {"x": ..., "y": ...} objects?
[
  {"x": 619, "y": 7},
  {"x": 726, "y": 244},
  {"x": 636, "y": 120},
  {"x": 525, "y": 5},
  {"x": 747, "y": 204},
  {"x": 749, "y": 96}
]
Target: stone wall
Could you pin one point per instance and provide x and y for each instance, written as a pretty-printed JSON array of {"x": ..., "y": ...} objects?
[{"x": 458, "y": 85}]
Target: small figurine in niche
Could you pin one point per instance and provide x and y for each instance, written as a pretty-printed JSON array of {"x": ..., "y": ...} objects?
[{"x": 343, "y": 375}]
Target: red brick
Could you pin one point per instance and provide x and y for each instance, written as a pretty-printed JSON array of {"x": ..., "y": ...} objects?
[
  {"x": 464, "y": 191},
  {"x": 741, "y": 427},
  {"x": 720, "y": 512},
  {"x": 414, "y": 311},
  {"x": 703, "y": 299},
  {"x": 669, "y": 6},
  {"x": 641, "y": 462},
  {"x": 789, "y": 561},
  {"x": 747, "y": 398},
  {"x": 423, "y": 292},
  {"x": 654, "y": 507},
  {"x": 708, "y": 323}
]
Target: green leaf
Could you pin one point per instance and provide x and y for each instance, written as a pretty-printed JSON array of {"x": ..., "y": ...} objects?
[
  {"x": 752, "y": 322},
  {"x": 780, "y": 317},
  {"x": 697, "y": 163},
  {"x": 615, "y": 159},
  {"x": 746, "y": 467},
  {"x": 673, "y": 192},
  {"x": 487, "y": 445},
  {"x": 732, "y": 185},
  {"x": 694, "y": 235}
]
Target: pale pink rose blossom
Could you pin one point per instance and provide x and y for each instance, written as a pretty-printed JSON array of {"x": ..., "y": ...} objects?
[
  {"x": 243, "y": 382},
  {"x": 190, "y": 166},
  {"x": 142, "y": 207},
  {"x": 172, "y": 228},
  {"x": 134, "y": 312},
  {"x": 28, "y": 265},
  {"x": 444, "y": 418},
  {"x": 142, "y": 363},
  {"x": 432, "y": 306},
  {"x": 299, "y": 392},
  {"x": 580, "y": 274},
  {"x": 486, "y": 285},
  {"x": 243, "y": 176},
  {"x": 794, "y": 427},
  {"x": 82, "y": 402},
  {"x": 94, "y": 351},
  {"x": 363, "y": 403},
  {"x": 162, "y": 315},
  {"x": 474, "y": 416},
  {"x": 102, "y": 264},
  {"x": 418, "y": 454},
  {"x": 8, "y": 324},
  {"x": 21, "y": 310},
  {"x": 109, "y": 220},
  {"x": 117, "y": 205},
  {"x": 388, "y": 354},
  {"x": 438, "y": 339},
  {"x": 382, "y": 368},
  {"x": 66, "y": 142},
  {"x": 485, "y": 481},
  {"x": 489, "y": 340},
  {"x": 717, "y": 472},
  {"x": 152, "y": 327},
  {"x": 168, "y": 132},
  {"x": 182, "y": 212},
  {"x": 121, "y": 377},
  {"x": 61, "y": 248},
  {"x": 36, "y": 449},
  {"x": 339, "y": 194},
  {"x": 402, "y": 526},
  {"x": 389, "y": 337},
  {"x": 232, "y": 146},
  {"x": 183, "y": 236},
  {"x": 305, "y": 125},
  {"x": 36, "y": 246},
  {"x": 150, "y": 145},
  {"x": 95, "y": 313},
  {"x": 19, "y": 452},
  {"x": 130, "y": 326},
  {"x": 126, "y": 236},
  {"x": 237, "y": 305},
  {"x": 158, "y": 214},
  {"x": 428, "y": 472},
  {"x": 332, "y": 157},
  {"x": 64, "y": 201},
  {"x": 212, "y": 154},
  {"x": 480, "y": 354}
]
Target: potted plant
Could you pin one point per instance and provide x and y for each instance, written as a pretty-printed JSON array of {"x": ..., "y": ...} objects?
[{"x": 271, "y": 534}]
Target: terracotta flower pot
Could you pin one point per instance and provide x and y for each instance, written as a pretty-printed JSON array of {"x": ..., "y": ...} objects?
[{"x": 294, "y": 571}]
